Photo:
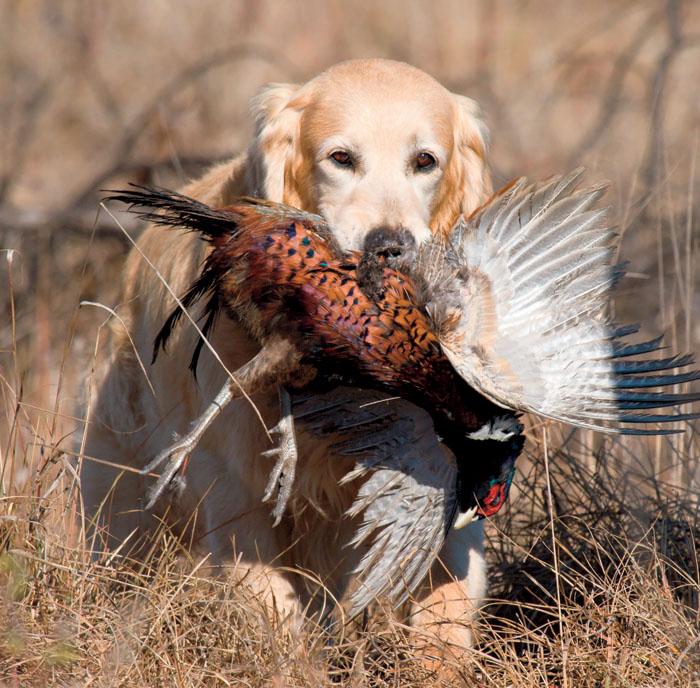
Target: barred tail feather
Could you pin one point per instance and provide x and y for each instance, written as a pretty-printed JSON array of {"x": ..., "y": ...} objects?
[{"x": 172, "y": 209}]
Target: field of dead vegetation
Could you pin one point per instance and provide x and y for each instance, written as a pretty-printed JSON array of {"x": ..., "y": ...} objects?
[{"x": 594, "y": 573}]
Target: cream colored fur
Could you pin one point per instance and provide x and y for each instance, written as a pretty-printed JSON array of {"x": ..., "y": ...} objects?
[{"x": 384, "y": 114}]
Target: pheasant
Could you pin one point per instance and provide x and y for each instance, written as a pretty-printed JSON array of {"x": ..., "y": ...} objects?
[
  {"x": 507, "y": 314},
  {"x": 281, "y": 273}
]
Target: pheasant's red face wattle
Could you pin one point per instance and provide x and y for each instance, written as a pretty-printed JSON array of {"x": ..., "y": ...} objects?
[{"x": 494, "y": 499}]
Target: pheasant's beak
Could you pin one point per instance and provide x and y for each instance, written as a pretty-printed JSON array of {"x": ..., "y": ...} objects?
[{"x": 464, "y": 518}]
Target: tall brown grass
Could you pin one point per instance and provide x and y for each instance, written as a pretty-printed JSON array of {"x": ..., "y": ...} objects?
[{"x": 594, "y": 564}]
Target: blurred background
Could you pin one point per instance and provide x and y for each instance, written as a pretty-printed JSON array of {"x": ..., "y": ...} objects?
[{"x": 98, "y": 93}]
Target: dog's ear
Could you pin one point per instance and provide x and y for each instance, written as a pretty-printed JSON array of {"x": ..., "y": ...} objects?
[
  {"x": 274, "y": 155},
  {"x": 466, "y": 183}
]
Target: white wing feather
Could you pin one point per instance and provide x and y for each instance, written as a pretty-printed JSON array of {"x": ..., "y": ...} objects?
[{"x": 518, "y": 296}]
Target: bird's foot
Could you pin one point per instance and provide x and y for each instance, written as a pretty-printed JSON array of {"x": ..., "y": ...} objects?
[
  {"x": 177, "y": 454},
  {"x": 282, "y": 476}
]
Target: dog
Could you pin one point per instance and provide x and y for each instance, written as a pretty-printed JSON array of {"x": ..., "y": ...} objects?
[{"x": 387, "y": 156}]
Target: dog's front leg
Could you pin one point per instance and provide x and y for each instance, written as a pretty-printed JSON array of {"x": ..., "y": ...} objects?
[{"x": 445, "y": 609}]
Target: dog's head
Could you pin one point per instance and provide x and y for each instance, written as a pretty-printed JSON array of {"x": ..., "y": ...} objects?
[{"x": 378, "y": 148}]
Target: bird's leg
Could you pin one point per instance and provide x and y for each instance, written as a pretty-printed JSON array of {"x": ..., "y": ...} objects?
[
  {"x": 178, "y": 452},
  {"x": 276, "y": 362},
  {"x": 282, "y": 475}
]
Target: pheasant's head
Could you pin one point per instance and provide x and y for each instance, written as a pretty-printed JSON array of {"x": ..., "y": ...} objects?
[{"x": 485, "y": 468}]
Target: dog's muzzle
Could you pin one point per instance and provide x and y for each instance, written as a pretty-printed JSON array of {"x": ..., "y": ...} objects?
[{"x": 383, "y": 247}]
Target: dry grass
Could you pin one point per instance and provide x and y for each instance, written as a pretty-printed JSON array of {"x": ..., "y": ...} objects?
[
  {"x": 594, "y": 582},
  {"x": 616, "y": 604}
]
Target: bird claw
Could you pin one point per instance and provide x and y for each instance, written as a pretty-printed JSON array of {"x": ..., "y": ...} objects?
[
  {"x": 177, "y": 453},
  {"x": 282, "y": 476}
]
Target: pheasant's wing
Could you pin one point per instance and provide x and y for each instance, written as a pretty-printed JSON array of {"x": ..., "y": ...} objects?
[
  {"x": 518, "y": 296},
  {"x": 408, "y": 499}
]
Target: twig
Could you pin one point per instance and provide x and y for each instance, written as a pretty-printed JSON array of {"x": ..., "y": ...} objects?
[
  {"x": 113, "y": 313},
  {"x": 43, "y": 221}
]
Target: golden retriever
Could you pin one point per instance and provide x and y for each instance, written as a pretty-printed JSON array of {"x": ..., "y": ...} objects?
[{"x": 379, "y": 149}]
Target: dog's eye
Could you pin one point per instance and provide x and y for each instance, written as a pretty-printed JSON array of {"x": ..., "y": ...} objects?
[
  {"x": 425, "y": 162},
  {"x": 341, "y": 158}
]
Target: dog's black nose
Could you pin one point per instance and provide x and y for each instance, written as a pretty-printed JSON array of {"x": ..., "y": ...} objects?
[
  {"x": 389, "y": 244},
  {"x": 383, "y": 247}
]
